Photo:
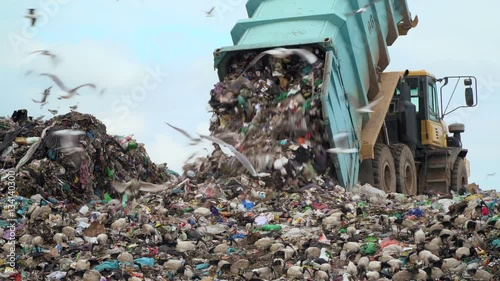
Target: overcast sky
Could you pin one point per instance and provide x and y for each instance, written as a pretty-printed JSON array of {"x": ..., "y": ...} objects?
[{"x": 155, "y": 60}]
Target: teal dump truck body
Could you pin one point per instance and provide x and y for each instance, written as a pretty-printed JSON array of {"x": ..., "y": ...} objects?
[{"x": 355, "y": 46}]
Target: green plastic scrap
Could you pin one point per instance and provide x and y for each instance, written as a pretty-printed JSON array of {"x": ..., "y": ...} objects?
[
  {"x": 107, "y": 198},
  {"x": 242, "y": 101},
  {"x": 110, "y": 173},
  {"x": 371, "y": 239},
  {"x": 307, "y": 105},
  {"x": 282, "y": 96},
  {"x": 369, "y": 248},
  {"x": 124, "y": 200}
]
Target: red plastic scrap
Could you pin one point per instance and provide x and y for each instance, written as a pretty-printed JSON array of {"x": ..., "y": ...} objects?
[{"x": 319, "y": 206}]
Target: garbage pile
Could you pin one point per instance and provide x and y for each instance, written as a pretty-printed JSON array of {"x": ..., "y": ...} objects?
[
  {"x": 37, "y": 151},
  {"x": 235, "y": 229}
]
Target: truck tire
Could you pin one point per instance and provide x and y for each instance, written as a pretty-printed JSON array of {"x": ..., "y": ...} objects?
[
  {"x": 406, "y": 172},
  {"x": 384, "y": 171},
  {"x": 459, "y": 175}
]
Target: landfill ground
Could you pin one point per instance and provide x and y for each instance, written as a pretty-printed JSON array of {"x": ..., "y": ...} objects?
[{"x": 67, "y": 214}]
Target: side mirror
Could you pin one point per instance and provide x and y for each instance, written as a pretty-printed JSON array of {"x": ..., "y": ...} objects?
[{"x": 469, "y": 97}]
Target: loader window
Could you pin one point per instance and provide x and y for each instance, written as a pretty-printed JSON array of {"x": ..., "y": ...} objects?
[
  {"x": 433, "y": 103},
  {"x": 414, "y": 92}
]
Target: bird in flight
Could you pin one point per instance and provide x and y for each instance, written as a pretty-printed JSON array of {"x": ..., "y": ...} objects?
[
  {"x": 134, "y": 186},
  {"x": 45, "y": 94},
  {"x": 341, "y": 144},
  {"x": 369, "y": 107},
  {"x": 53, "y": 111},
  {"x": 71, "y": 92},
  {"x": 194, "y": 140},
  {"x": 69, "y": 140},
  {"x": 362, "y": 9},
  {"x": 490, "y": 175},
  {"x": 74, "y": 107},
  {"x": 242, "y": 158},
  {"x": 54, "y": 57},
  {"x": 32, "y": 16},
  {"x": 281, "y": 53},
  {"x": 210, "y": 12}
]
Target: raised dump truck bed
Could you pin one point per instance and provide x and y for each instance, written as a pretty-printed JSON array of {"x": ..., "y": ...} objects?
[{"x": 356, "y": 52}]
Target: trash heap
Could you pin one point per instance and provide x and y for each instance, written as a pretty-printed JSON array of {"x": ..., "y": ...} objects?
[
  {"x": 43, "y": 167},
  {"x": 230, "y": 229}
]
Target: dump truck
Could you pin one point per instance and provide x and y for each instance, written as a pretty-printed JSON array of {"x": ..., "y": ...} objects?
[{"x": 403, "y": 142}]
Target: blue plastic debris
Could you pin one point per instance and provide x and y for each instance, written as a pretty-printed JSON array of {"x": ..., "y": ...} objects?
[
  {"x": 107, "y": 265},
  {"x": 248, "y": 204},
  {"x": 415, "y": 212},
  {"x": 201, "y": 266},
  {"x": 496, "y": 243},
  {"x": 91, "y": 134},
  {"x": 238, "y": 236},
  {"x": 145, "y": 261}
]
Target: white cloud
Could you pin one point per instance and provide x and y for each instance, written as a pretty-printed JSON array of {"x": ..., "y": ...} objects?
[
  {"x": 132, "y": 123},
  {"x": 91, "y": 62},
  {"x": 175, "y": 150}
]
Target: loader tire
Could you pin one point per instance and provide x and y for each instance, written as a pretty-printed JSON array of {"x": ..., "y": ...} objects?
[
  {"x": 384, "y": 171},
  {"x": 406, "y": 172},
  {"x": 459, "y": 175}
]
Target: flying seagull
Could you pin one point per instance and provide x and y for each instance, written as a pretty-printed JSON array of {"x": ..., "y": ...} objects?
[
  {"x": 246, "y": 163},
  {"x": 342, "y": 144},
  {"x": 134, "y": 186},
  {"x": 71, "y": 92},
  {"x": 369, "y": 107},
  {"x": 74, "y": 107},
  {"x": 53, "y": 57},
  {"x": 362, "y": 9},
  {"x": 194, "y": 140},
  {"x": 31, "y": 15},
  {"x": 45, "y": 94},
  {"x": 69, "y": 140},
  {"x": 210, "y": 13},
  {"x": 53, "y": 111},
  {"x": 490, "y": 175},
  {"x": 304, "y": 54}
]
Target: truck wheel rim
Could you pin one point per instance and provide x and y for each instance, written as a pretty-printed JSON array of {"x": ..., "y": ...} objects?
[
  {"x": 387, "y": 177},
  {"x": 409, "y": 182}
]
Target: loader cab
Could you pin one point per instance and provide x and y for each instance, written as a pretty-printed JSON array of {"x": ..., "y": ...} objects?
[
  {"x": 414, "y": 116},
  {"x": 425, "y": 96}
]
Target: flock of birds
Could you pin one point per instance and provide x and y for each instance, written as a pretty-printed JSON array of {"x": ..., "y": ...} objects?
[{"x": 70, "y": 92}]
